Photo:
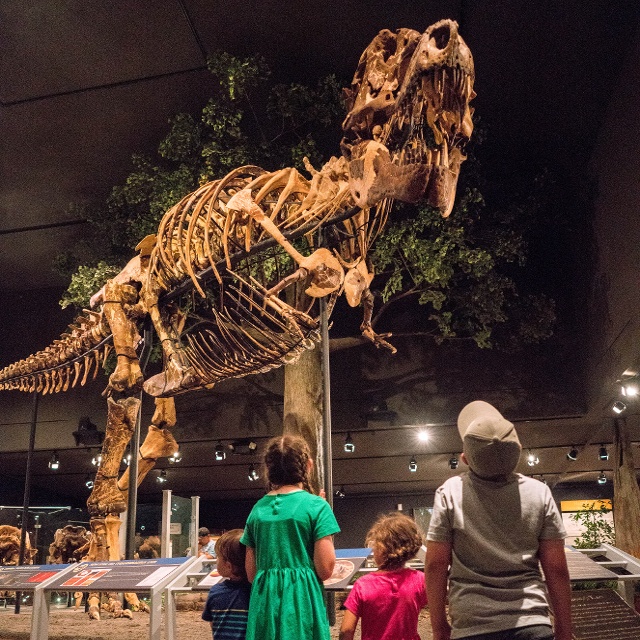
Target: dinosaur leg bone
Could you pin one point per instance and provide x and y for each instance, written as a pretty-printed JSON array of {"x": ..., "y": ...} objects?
[
  {"x": 177, "y": 374},
  {"x": 106, "y": 498},
  {"x": 98, "y": 548},
  {"x": 112, "y": 524},
  {"x": 127, "y": 375},
  {"x": 158, "y": 443}
]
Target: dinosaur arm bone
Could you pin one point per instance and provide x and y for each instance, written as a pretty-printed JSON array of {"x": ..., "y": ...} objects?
[
  {"x": 356, "y": 290},
  {"x": 324, "y": 268},
  {"x": 366, "y": 328}
]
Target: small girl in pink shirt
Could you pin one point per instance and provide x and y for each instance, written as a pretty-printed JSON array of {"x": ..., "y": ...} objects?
[{"x": 388, "y": 600}]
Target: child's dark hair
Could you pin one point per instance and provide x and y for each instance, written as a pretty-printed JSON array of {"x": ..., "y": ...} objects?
[
  {"x": 286, "y": 460},
  {"x": 397, "y": 538},
  {"x": 229, "y": 547}
]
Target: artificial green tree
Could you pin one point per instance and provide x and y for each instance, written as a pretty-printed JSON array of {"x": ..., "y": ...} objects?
[{"x": 459, "y": 271}]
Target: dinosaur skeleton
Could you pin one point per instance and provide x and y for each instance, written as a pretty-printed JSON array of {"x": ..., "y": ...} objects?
[
  {"x": 241, "y": 241},
  {"x": 10, "y": 546}
]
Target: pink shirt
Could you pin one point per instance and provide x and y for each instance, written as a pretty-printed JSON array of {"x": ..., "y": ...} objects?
[{"x": 388, "y": 603}]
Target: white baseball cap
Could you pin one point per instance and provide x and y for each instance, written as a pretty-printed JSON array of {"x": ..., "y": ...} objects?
[{"x": 490, "y": 442}]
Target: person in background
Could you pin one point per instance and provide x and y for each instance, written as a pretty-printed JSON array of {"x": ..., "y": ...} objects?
[
  {"x": 206, "y": 546},
  {"x": 388, "y": 600},
  {"x": 227, "y": 606},
  {"x": 290, "y": 549},
  {"x": 490, "y": 531}
]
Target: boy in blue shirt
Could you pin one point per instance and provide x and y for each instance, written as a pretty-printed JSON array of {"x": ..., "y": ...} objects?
[{"x": 227, "y": 606}]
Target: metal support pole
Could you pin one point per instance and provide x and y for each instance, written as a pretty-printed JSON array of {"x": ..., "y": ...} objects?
[
  {"x": 330, "y": 597},
  {"x": 27, "y": 488},
  {"x": 326, "y": 403},
  {"x": 194, "y": 525},
  {"x": 132, "y": 498},
  {"x": 165, "y": 529}
]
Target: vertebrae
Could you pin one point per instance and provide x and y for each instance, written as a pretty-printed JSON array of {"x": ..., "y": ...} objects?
[{"x": 65, "y": 363}]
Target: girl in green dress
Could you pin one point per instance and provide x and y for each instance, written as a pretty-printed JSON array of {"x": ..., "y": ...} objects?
[{"x": 290, "y": 550}]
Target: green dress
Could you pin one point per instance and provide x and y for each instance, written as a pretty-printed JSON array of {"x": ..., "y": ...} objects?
[{"x": 287, "y": 596}]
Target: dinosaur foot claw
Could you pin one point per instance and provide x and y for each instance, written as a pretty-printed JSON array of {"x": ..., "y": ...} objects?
[{"x": 171, "y": 382}]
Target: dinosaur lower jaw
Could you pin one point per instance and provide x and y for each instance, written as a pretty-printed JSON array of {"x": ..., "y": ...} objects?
[{"x": 430, "y": 180}]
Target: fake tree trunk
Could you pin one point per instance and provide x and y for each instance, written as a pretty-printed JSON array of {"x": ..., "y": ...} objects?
[
  {"x": 303, "y": 407},
  {"x": 626, "y": 514}
]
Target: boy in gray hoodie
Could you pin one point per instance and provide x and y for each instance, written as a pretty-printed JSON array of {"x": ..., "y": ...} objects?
[{"x": 490, "y": 531}]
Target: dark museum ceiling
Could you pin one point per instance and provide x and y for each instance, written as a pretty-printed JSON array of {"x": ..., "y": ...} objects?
[{"x": 84, "y": 84}]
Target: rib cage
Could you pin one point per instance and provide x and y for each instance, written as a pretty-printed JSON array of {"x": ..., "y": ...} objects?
[
  {"x": 198, "y": 232},
  {"x": 246, "y": 337}
]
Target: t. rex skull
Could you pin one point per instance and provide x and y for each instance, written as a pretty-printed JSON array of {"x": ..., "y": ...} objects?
[{"x": 409, "y": 117}]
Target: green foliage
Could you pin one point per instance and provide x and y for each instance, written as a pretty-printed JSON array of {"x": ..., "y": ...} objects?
[
  {"x": 237, "y": 77},
  {"x": 237, "y": 126},
  {"x": 85, "y": 282},
  {"x": 597, "y": 530},
  {"x": 464, "y": 270}
]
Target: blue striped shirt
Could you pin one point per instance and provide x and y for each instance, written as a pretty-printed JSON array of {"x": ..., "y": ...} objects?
[{"x": 227, "y": 609}]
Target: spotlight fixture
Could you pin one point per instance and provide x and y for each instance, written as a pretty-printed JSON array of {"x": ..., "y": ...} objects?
[
  {"x": 453, "y": 462},
  {"x": 220, "y": 452},
  {"x": 88, "y": 481},
  {"x": 349, "y": 446},
  {"x": 340, "y": 492},
  {"x": 573, "y": 454},
  {"x": 162, "y": 476},
  {"x": 532, "y": 459},
  {"x": 96, "y": 461},
  {"x": 175, "y": 457},
  {"x": 127, "y": 458},
  {"x": 54, "y": 461},
  {"x": 603, "y": 454},
  {"x": 618, "y": 406},
  {"x": 413, "y": 465},
  {"x": 253, "y": 474},
  {"x": 630, "y": 389},
  {"x": 423, "y": 435},
  {"x": 602, "y": 479}
]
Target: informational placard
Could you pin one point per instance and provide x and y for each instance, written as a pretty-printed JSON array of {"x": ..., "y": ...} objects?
[
  {"x": 28, "y": 576},
  {"x": 125, "y": 575},
  {"x": 601, "y": 614},
  {"x": 348, "y": 563},
  {"x": 211, "y": 578}
]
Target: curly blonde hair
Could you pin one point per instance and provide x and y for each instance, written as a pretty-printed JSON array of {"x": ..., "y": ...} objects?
[{"x": 397, "y": 538}]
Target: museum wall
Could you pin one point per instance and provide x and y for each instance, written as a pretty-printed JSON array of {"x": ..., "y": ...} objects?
[
  {"x": 356, "y": 514},
  {"x": 615, "y": 298}
]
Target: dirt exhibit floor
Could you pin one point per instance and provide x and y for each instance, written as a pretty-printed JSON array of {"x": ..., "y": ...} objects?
[{"x": 67, "y": 624}]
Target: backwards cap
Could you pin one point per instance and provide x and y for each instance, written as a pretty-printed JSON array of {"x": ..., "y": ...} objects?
[{"x": 490, "y": 443}]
